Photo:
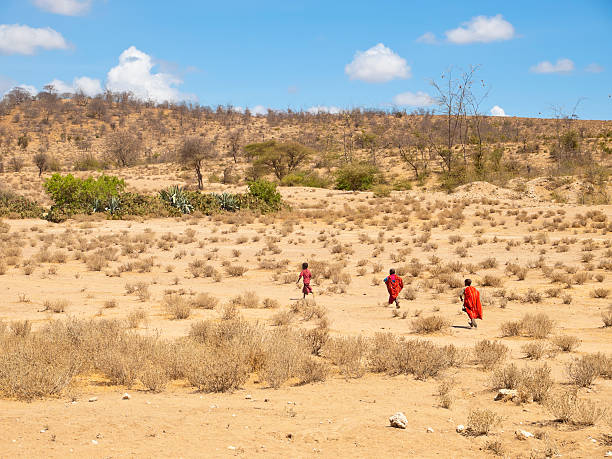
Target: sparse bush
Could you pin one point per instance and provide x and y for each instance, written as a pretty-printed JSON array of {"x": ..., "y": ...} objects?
[
  {"x": 136, "y": 318},
  {"x": 606, "y": 317},
  {"x": 481, "y": 421},
  {"x": 348, "y": 353},
  {"x": 490, "y": 353},
  {"x": 566, "y": 343},
  {"x": 600, "y": 293},
  {"x": 177, "y": 306},
  {"x": 357, "y": 177},
  {"x": 205, "y": 301},
  {"x": 235, "y": 270},
  {"x": 537, "y": 326},
  {"x": 534, "y": 350},
  {"x": 570, "y": 409},
  {"x": 431, "y": 324},
  {"x": 584, "y": 370},
  {"x": 56, "y": 306}
]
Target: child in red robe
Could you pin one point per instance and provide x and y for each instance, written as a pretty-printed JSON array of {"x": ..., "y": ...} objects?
[
  {"x": 471, "y": 303},
  {"x": 394, "y": 284},
  {"x": 305, "y": 275}
]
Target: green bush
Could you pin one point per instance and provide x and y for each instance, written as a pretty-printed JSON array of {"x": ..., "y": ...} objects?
[
  {"x": 14, "y": 205},
  {"x": 305, "y": 178},
  {"x": 74, "y": 195},
  {"x": 265, "y": 192},
  {"x": 357, "y": 177}
]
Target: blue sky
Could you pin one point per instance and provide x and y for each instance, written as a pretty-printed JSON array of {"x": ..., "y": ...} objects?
[{"x": 303, "y": 54}]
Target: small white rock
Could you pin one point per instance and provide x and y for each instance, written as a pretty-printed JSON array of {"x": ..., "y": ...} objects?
[
  {"x": 609, "y": 454},
  {"x": 460, "y": 428},
  {"x": 430, "y": 430},
  {"x": 126, "y": 396},
  {"x": 248, "y": 397},
  {"x": 231, "y": 447},
  {"x": 398, "y": 420},
  {"x": 522, "y": 434},
  {"x": 93, "y": 399},
  {"x": 94, "y": 442}
]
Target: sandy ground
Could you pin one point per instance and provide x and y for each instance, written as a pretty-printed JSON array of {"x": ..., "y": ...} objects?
[{"x": 336, "y": 417}]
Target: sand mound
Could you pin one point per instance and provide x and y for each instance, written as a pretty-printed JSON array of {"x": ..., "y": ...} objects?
[{"x": 479, "y": 190}]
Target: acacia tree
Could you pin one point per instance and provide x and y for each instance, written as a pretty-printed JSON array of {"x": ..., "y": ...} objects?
[
  {"x": 278, "y": 158},
  {"x": 193, "y": 152},
  {"x": 235, "y": 140},
  {"x": 41, "y": 160}
]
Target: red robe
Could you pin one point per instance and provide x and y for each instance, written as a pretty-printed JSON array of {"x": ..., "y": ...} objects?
[
  {"x": 471, "y": 303},
  {"x": 395, "y": 284}
]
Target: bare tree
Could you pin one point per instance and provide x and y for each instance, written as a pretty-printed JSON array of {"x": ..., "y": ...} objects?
[
  {"x": 453, "y": 95},
  {"x": 123, "y": 147},
  {"x": 235, "y": 143},
  {"x": 193, "y": 152}
]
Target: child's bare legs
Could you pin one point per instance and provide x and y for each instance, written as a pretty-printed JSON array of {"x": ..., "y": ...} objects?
[{"x": 397, "y": 306}]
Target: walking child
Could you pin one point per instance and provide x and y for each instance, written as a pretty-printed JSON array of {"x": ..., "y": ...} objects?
[
  {"x": 471, "y": 303},
  {"x": 305, "y": 275},
  {"x": 394, "y": 284}
]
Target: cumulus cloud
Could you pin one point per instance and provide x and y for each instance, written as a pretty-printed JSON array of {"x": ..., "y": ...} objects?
[
  {"x": 594, "y": 68},
  {"x": 324, "y": 109},
  {"x": 561, "y": 66},
  {"x": 497, "y": 111},
  {"x": 378, "y": 64},
  {"x": 428, "y": 38},
  {"x": 482, "y": 29},
  {"x": 22, "y": 39},
  {"x": 418, "y": 99},
  {"x": 65, "y": 7},
  {"x": 133, "y": 74},
  {"x": 88, "y": 86},
  {"x": 259, "y": 110}
]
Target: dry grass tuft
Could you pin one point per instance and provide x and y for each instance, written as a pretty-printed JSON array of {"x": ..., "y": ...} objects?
[
  {"x": 177, "y": 307},
  {"x": 566, "y": 343},
  {"x": 481, "y": 421},
  {"x": 570, "y": 409},
  {"x": 431, "y": 324},
  {"x": 490, "y": 353},
  {"x": 205, "y": 301}
]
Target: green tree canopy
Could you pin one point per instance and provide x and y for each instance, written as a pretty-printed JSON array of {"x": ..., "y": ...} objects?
[{"x": 278, "y": 158}]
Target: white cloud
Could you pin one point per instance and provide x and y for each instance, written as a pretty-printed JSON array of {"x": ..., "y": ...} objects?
[
  {"x": 133, "y": 74},
  {"x": 594, "y": 68},
  {"x": 378, "y": 64},
  {"x": 562, "y": 66},
  {"x": 88, "y": 86},
  {"x": 482, "y": 29},
  {"x": 497, "y": 111},
  {"x": 428, "y": 37},
  {"x": 259, "y": 110},
  {"x": 418, "y": 99},
  {"x": 324, "y": 109},
  {"x": 5, "y": 89},
  {"x": 22, "y": 39},
  {"x": 65, "y": 7}
]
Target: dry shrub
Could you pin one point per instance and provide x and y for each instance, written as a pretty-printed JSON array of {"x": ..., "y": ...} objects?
[
  {"x": 445, "y": 394},
  {"x": 136, "y": 318},
  {"x": 177, "y": 306},
  {"x": 490, "y": 353},
  {"x": 569, "y": 408},
  {"x": 21, "y": 328},
  {"x": 282, "y": 318},
  {"x": 317, "y": 337},
  {"x": 382, "y": 352},
  {"x": 55, "y": 306},
  {"x": 199, "y": 268},
  {"x": 532, "y": 296},
  {"x": 229, "y": 311},
  {"x": 606, "y": 317},
  {"x": 211, "y": 369},
  {"x": 431, "y": 324},
  {"x": 495, "y": 447},
  {"x": 205, "y": 301},
  {"x": 348, "y": 353},
  {"x": 534, "y": 350},
  {"x": 235, "y": 270},
  {"x": 423, "y": 359},
  {"x": 271, "y": 303},
  {"x": 566, "y": 343},
  {"x": 109, "y": 304},
  {"x": 285, "y": 351},
  {"x": 96, "y": 262},
  {"x": 584, "y": 370},
  {"x": 507, "y": 377},
  {"x": 481, "y": 421},
  {"x": 537, "y": 326},
  {"x": 490, "y": 280},
  {"x": 3, "y": 268},
  {"x": 154, "y": 376},
  {"x": 512, "y": 328},
  {"x": 141, "y": 289},
  {"x": 249, "y": 300},
  {"x": 535, "y": 384},
  {"x": 600, "y": 293},
  {"x": 312, "y": 369},
  {"x": 409, "y": 294}
]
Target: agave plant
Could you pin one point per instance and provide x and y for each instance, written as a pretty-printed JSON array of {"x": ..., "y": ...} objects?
[
  {"x": 227, "y": 201},
  {"x": 114, "y": 205},
  {"x": 176, "y": 197}
]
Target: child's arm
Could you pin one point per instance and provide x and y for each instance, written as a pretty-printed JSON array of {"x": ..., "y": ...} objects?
[{"x": 299, "y": 277}]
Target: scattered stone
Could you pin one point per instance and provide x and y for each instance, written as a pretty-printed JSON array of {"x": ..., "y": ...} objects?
[
  {"x": 522, "y": 434},
  {"x": 609, "y": 454},
  {"x": 430, "y": 430},
  {"x": 94, "y": 442},
  {"x": 248, "y": 397},
  {"x": 398, "y": 420},
  {"x": 506, "y": 395},
  {"x": 212, "y": 407},
  {"x": 460, "y": 428},
  {"x": 93, "y": 399},
  {"x": 231, "y": 447},
  {"x": 126, "y": 396}
]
